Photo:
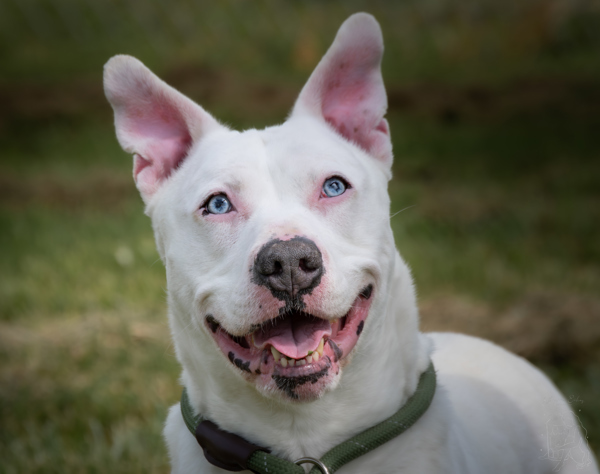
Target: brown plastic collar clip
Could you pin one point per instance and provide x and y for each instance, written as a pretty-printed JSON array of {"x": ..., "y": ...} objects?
[{"x": 223, "y": 449}]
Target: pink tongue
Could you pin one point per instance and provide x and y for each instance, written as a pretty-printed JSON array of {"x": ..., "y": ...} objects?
[{"x": 295, "y": 335}]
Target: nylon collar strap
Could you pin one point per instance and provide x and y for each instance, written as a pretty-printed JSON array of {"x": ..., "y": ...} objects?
[{"x": 231, "y": 452}]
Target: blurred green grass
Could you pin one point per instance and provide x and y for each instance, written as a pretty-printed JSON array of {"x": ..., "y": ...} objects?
[{"x": 494, "y": 111}]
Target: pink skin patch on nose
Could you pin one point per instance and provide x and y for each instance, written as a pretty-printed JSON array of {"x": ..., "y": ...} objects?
[{"x": 266, "y": 307}]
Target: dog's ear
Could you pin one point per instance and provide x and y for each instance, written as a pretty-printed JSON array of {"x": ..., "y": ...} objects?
[
  {"x": 346, "y": 89},
  {"x": 153, "y": 121}
]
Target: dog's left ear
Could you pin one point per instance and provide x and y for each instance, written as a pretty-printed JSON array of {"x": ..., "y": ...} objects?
[{"x": 346, "y": 89}]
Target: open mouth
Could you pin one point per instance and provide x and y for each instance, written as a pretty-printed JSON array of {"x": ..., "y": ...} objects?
[{"x": 297, "y": 352}]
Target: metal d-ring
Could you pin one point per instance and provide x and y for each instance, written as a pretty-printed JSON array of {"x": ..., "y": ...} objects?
[{"x": 314, "y": 462}]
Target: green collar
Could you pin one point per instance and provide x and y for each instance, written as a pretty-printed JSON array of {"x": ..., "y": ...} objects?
[{"x": 233, "y": 453}]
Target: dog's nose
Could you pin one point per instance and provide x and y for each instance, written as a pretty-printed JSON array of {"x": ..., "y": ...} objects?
[{"x": 289, "y": 266}]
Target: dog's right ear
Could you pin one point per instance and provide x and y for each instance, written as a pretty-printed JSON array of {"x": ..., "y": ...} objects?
[{"x": 153, "y": 121}]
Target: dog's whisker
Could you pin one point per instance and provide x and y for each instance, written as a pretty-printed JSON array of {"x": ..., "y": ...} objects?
[{"x": 401, "y": 210}]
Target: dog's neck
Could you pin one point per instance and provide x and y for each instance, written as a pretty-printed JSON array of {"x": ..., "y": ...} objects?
[{"x": 373, "y": 386}]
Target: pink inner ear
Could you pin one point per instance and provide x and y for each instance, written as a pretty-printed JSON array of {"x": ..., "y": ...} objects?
[
  {"x": 165, "y": 137},
  {"x": 139, "y": 163},
  {"x": 353, "y": 100},
  {"x": 153, "y": 121}
]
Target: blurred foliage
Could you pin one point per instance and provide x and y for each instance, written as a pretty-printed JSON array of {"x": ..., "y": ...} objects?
[
  {"x": 494, "y": 112},
  {"x": 472, "y": 39}
]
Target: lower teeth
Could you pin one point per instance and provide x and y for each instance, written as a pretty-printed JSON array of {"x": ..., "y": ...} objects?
[{"x": 309, "y": 359}]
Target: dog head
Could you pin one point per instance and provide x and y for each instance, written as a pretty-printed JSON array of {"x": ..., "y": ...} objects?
[{"x": 276, "y": 242}]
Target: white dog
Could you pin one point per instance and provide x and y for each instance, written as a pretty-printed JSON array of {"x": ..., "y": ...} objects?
[{"x": 292, "y": 313}]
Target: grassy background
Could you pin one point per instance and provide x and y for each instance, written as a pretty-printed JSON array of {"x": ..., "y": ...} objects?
[{"x": 495, "y": 113}]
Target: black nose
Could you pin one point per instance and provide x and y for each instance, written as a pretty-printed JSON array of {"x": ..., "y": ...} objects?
[{"x": 289, "y": 267}]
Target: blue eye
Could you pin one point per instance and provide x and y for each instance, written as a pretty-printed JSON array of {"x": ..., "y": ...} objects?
[
  {"x": 334, "y": 187},
  {"x": 218, "y": 204}
]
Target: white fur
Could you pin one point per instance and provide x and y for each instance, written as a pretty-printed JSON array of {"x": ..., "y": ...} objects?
[{"x": 488, "y": 414}]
